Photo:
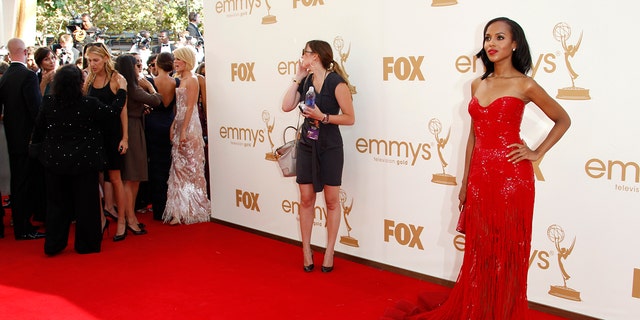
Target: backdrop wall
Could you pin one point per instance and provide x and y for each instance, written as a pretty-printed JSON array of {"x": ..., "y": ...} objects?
[{"x": 411, "y": 64}]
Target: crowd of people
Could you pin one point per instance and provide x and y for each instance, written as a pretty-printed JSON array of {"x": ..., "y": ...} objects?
[{"x": 94, "y": 138}]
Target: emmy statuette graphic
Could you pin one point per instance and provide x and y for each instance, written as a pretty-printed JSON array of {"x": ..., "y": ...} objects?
[
  {"x": 271, "y": 156},
  {"x": 268, "y": 19},
  {"x": 347, "y": 240},
  {"x": 435, "y": 127},
  {"x": 338, "y": 43},
  {"x": 555, "y": 233},
  {"x": 562, "y": 32},
  {"x": 442, "y": 3}
]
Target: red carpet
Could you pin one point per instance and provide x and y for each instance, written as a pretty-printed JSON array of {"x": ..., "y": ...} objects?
[{"x": 202, "y": 271}]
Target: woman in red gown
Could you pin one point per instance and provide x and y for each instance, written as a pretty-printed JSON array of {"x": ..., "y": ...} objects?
[{"x": 497, "y": 193}]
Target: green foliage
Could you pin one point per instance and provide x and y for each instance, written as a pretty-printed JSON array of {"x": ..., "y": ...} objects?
[{"x": 115, "y": 16}]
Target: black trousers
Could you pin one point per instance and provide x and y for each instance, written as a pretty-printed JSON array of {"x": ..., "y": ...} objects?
[
  {"x": 159, "y": 166},
  {"x": 69, "y": 196},
  {"x": 1, "y": 217},
  {"x": 24, "y": 195}
]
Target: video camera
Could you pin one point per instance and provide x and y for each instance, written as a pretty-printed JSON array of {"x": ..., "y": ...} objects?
[
  {"x": 74, "y": 24},
  {"x": 142, "y": 42}
]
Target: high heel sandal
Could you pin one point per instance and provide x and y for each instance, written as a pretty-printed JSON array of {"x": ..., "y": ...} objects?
[{"x": 137, "y": 232}]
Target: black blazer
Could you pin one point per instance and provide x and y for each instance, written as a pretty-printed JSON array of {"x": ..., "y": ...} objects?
[
  {"x": 70, "y": 137},
  {"x": 20, "y": 100},
  {"x": 156, "y": 49}
]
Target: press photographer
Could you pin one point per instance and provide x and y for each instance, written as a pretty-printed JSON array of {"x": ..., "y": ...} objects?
[
  {"x": 83, "y": 31},
  {"x": 65, "y": 50},
  {"x": 141, "y": 41},
  {"x": 141, "y": 45}
]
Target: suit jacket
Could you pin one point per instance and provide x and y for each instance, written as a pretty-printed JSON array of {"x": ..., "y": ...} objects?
[
  {"x": 157, "y": 49},
  {"x": 70, "y": 136},
  {"x": 20, "y": 100},
  {"x": 193, "y": 30}
]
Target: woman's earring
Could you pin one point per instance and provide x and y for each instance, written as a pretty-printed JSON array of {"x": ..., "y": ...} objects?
[{"x": 514, "y": 49}]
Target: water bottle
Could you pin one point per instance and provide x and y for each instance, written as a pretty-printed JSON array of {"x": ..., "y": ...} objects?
[{"x": 310, "y": 97}]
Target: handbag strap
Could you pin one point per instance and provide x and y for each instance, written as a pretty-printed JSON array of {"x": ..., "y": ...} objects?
[
  {"x": 298, "y": 125},
  {"x": 297, "y": 128}
]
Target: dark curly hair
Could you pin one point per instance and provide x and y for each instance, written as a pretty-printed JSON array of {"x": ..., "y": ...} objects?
[
  {"x": 521, "y": 57},
  {"x": 67, "y": 84}
]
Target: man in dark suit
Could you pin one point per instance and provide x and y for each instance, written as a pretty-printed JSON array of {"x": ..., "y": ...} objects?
[
  {"x": 192, "y": 27},
  {"x": 164, "y": 46},
  {"x": 20, "y": 100}
]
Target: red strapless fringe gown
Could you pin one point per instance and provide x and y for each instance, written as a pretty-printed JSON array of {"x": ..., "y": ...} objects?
[{"x": 492, "y": 283}]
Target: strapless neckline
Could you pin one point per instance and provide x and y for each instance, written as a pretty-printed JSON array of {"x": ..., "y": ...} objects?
[{"x": 496, "y": 100}]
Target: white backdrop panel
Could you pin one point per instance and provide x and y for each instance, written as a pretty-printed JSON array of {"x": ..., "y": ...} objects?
[{"x": 411, "y": 63}]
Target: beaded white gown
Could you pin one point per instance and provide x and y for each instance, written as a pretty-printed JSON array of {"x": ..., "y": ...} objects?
[{"x": 187, "y": 195}]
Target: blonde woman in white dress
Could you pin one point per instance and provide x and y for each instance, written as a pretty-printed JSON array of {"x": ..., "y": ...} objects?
[{"x": 187, "y": 200}]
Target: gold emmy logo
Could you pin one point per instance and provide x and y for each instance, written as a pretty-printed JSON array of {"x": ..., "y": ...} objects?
[
  {"x": 435, "y": 127},
  {"x": 562, "y": 32},
  {"x": 442, "y": 3},
  {"x": 636, "y": 284},
  {"x": 338, "y": 43},
  {"x": 268, "y": 19},
  {"x": 555, "y": 233},
  {"x": 266, "y": 116},
  {"x": 347, "y": 240}
]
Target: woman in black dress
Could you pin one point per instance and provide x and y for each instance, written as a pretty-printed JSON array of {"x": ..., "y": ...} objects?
[
  {"x": 102, "y": 82},
  {"x": 157, "y": 125},
  {"x": 320, "y": 151}
]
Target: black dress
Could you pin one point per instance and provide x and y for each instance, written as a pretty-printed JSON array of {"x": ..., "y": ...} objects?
[
  {"x": 112, "y": 133},
  {"x": 321, "y": 161},
  {"x": 156, "y": 126}
]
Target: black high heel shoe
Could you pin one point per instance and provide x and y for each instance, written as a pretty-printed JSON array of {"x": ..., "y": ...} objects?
[
  {"x": 109, "y": 214},
  {"x": 137, "y": 232},
  {"x": 308, "y": 268},
  {"x": 120, "y": 237},
  {"x": 105, "y": 227},
  {"x": 327, "y": 269}
]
